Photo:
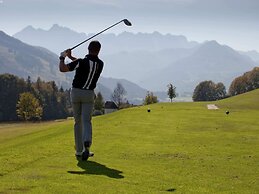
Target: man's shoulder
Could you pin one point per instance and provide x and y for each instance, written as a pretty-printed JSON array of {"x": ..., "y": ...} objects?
[
  {"x": 100, "y": 61},
  {"x": 95, "y": 58}
]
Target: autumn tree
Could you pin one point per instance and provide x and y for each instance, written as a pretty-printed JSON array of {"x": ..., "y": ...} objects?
[
  {"x": 150, "y": 98},
  {"x": 245, "y": 83},
  {"x": 28, "y": 107}
]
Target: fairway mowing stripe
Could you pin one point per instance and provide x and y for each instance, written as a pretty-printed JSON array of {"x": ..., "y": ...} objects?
[
  {"x": 135, "y": 124},
  {"x": 24, "y": 141},
  {"x": 22, "y": 129},
  {"x": 27, "y": 164},
  {"x": 38, "y": 138}
]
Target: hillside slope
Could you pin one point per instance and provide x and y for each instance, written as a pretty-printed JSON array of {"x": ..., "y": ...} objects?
[
  {"x": 25, "y": 60},
  {"x": 246, "y": 101}
]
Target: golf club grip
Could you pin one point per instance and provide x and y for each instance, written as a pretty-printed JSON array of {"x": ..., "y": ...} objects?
[{"x": 95, "y": 35}]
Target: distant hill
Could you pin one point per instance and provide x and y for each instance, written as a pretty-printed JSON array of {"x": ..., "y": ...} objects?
[
  {"x": 24, "y": 60},
  {"x": 135, "y": 93},
  {"x": 210, "y": 61},
  {"x": 138, "y": 65}
]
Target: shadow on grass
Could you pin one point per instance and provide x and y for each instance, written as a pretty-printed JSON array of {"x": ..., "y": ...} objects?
[{"x": 91, "y": 167}]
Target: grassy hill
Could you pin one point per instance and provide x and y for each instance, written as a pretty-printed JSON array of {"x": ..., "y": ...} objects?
[
  {"x": 177, "y": 148},
  {"x": 246, "y": 101}
]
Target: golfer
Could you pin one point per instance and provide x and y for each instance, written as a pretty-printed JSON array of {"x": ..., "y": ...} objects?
[{"x": 87, "y": 73}]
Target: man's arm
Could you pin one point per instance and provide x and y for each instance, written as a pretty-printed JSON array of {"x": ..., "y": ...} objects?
[{"x": 62, "y": 66}]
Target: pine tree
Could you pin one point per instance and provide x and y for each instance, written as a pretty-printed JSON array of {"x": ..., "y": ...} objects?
[
  {"x": 171, "y": 91},
  {"x": 99, "y": 103}
]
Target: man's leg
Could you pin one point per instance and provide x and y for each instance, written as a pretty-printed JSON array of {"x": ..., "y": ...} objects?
[
  {"x": 87, "y": 109},
  {"x": 87, "y": 129},
  {"x": 78, "y": 128},
  {"x": 77, "y": 110}
]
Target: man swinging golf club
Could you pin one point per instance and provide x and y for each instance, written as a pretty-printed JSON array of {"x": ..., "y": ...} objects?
[{"x": 87, "y": 73}]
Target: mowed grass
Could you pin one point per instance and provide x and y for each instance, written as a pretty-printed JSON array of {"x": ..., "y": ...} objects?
[{"x": 175, "y": 148}]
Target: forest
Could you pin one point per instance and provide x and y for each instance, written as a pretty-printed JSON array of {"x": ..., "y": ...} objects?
[{"x": 53, "y": 102}]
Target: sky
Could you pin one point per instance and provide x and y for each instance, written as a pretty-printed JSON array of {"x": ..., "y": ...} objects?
[{"x": 230, "y": 22}]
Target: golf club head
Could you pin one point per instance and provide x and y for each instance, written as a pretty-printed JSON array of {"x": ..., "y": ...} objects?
[{"x": 127, "y": 22}]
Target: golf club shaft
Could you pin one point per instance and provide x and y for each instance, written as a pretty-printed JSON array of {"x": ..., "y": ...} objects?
[{"x": 96, "y": 35}]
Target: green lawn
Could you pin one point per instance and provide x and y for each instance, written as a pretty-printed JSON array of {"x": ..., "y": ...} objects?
[{"x": 176, "y": 148}]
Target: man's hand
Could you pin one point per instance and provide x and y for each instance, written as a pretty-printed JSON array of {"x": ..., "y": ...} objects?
[
  {"x": 69, "y": 55},
  {"x": 63, "y": 54},
  {"x": 62, "y": 66}
]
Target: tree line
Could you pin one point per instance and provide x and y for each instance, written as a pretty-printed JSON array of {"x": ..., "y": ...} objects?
[
  {"x": 22, "y": 99},
  {"x": 31, "y": 101},
  {"x": 210, "y": 91}
]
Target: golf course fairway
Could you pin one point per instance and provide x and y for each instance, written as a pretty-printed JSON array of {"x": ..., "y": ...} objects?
[{"x": 174, "y": 148}]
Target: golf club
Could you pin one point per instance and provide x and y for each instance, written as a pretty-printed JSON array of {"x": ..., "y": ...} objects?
[{"x": 126, "y": 22}]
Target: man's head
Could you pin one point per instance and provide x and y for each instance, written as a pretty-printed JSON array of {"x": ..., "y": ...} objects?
[{"x": 94, "y": 47}]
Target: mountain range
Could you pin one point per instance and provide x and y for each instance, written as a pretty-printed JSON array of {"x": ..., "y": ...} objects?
[
  {"x": 143, "y": 61},
  {"x": 209, "y": 61},
  {"x": 152, "y": 60},
  {"x": 59, "y": 38}
]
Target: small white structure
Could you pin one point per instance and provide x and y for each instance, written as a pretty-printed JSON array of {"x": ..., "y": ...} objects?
[
  {"x": 110, "y": 107},
  {"x": 212, "y": 107}
]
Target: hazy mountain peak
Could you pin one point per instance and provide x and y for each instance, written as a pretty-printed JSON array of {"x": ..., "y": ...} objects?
[
  {"x": 29, "y": 28},
  {"x": 58, "y": 28},
  {"x": 65, "y": 31},
  {"x": 211, "y": 43},
  {"x": 253, "y": 54},
  {"x": 214, "y": 48},
  {"x": 55, "y": 26},
  {"x": 157, "y": 33}
]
